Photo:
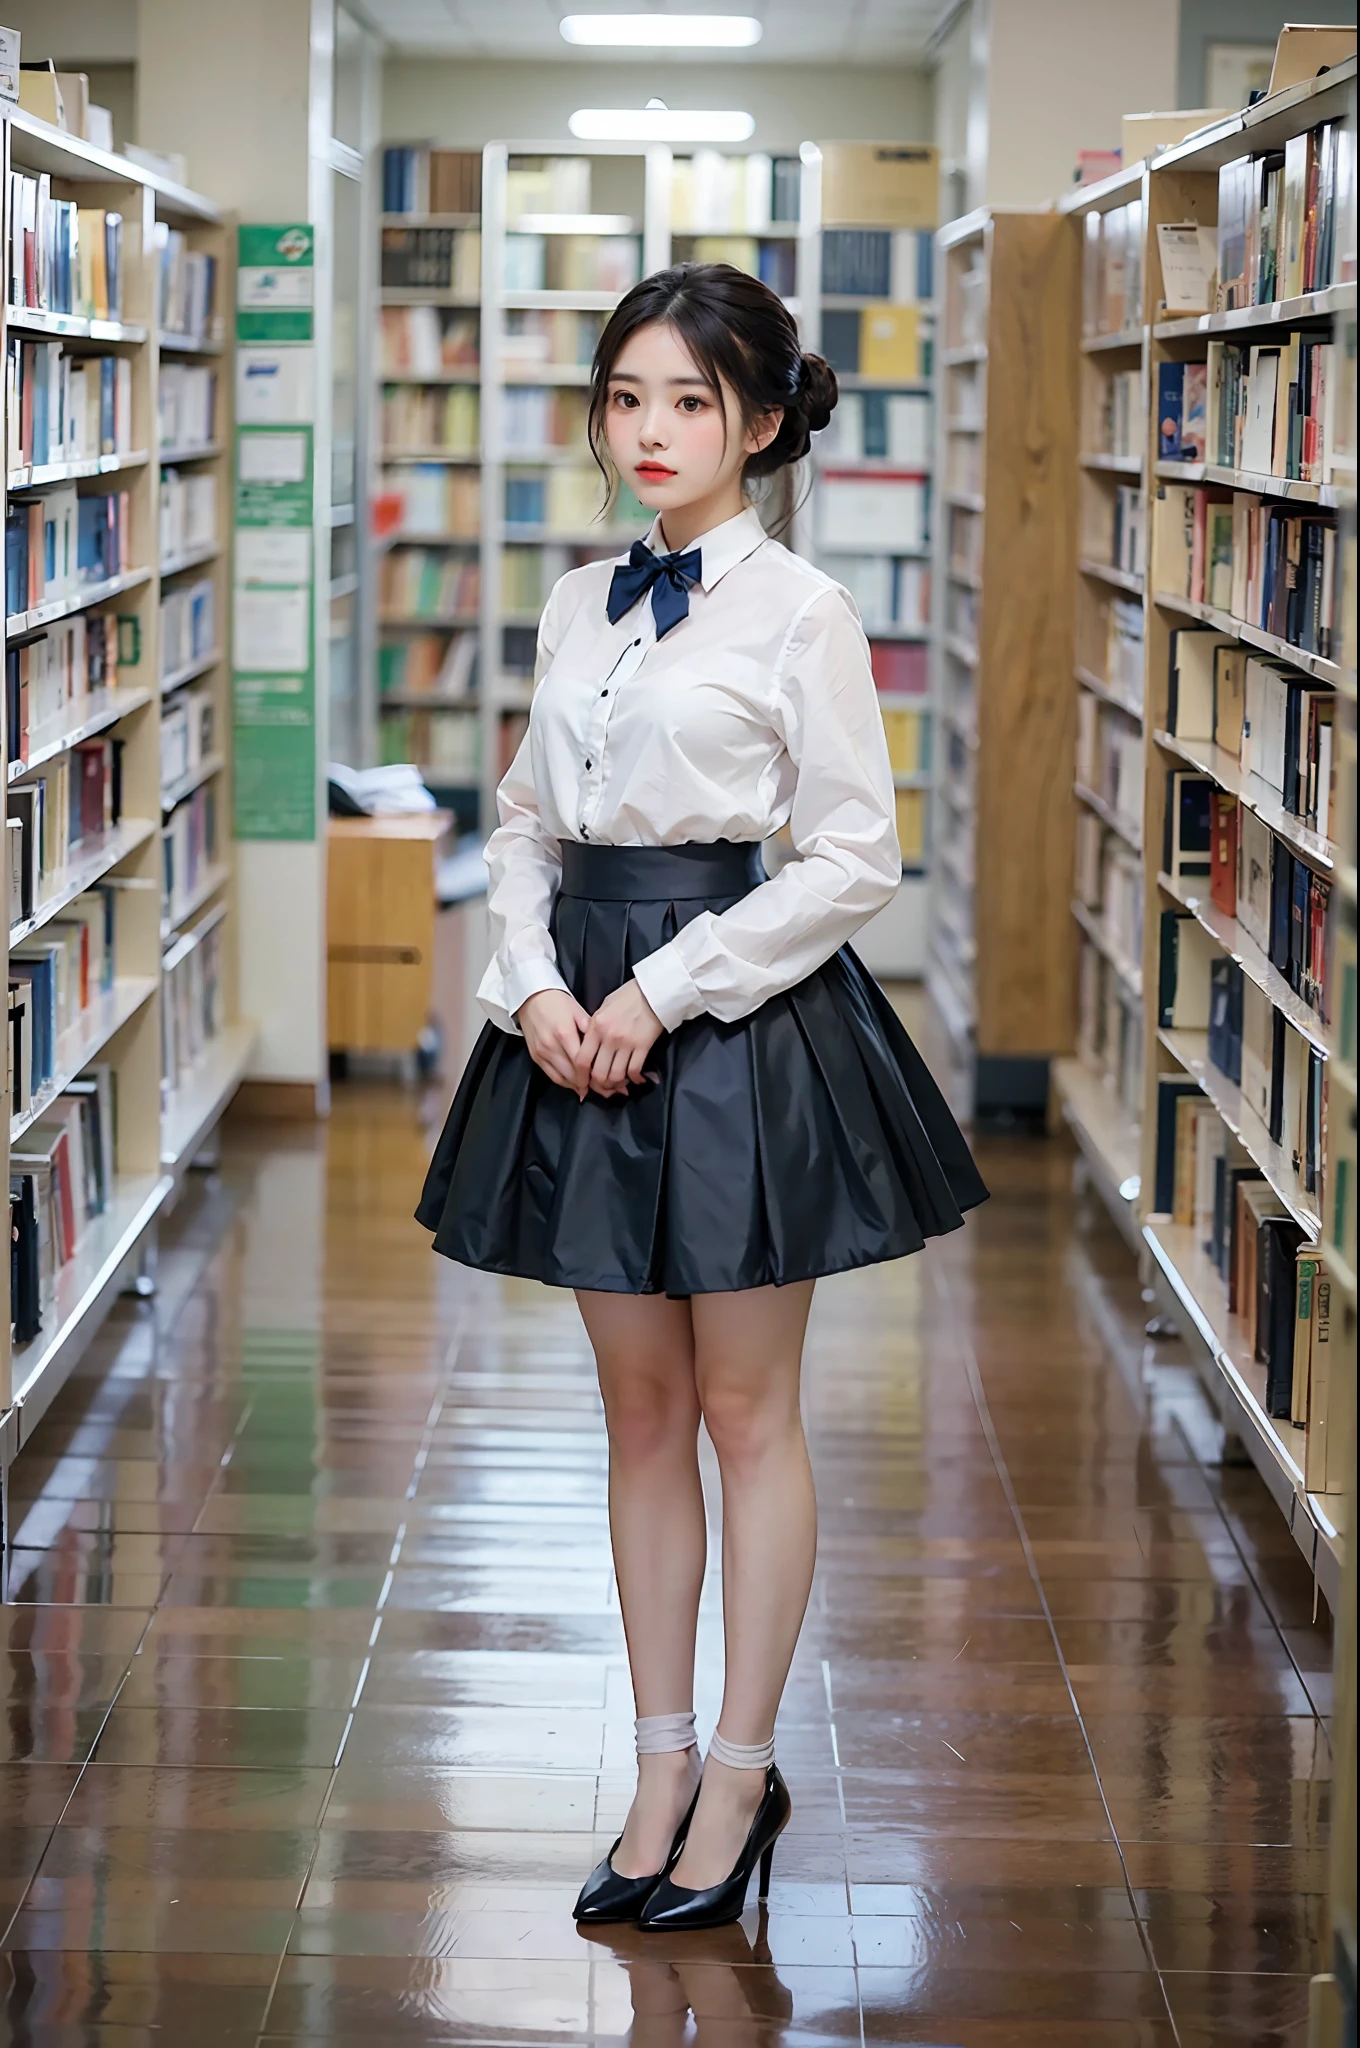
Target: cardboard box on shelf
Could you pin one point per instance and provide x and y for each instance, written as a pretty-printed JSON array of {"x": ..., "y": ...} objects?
[
  {"x": 880, "y": 184},
  {"x": 1144, "y": 134},
  {"x": 40, "y": 93},
  {"x": 1304, "y": 50},
  {"x": 75, "y": 97}
]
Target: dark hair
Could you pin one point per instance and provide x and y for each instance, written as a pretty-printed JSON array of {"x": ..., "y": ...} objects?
[{"x": 739, "y": 333}]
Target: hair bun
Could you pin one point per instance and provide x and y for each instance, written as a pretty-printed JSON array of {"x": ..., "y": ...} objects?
[{"x": 818, "y": 392}]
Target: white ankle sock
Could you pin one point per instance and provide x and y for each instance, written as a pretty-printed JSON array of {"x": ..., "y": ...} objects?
[
  {"x": 659, "y": 1733},
  {"x": 742, "y": 1756}
]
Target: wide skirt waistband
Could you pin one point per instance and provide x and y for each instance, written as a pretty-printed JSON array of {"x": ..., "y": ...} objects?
[{"x": 654, "y": 874}]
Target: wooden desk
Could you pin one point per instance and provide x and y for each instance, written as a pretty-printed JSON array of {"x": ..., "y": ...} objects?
[{"x": 380, "y": 921}]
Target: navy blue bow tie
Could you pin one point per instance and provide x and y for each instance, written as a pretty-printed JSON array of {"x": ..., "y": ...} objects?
[{"x": 668, "y": 577}]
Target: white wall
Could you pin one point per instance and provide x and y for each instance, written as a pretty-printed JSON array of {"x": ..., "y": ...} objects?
[
  {"x": 465, "y": 104},
  {"x": 244, "y": 93},
  {"x": 92, "y": 31},
  {"x": 959, "y": 86},
  {"x": 1061, "y": 75},
  {"x": 1240, "y": 21}
]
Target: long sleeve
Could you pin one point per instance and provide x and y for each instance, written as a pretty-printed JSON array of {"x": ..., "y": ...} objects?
[
  {"x": 525, "y": 869},
  {"x": 842, "y": 823}
]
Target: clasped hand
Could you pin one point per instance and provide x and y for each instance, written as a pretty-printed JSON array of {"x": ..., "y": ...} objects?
[{"x": 602, "y": 1053}]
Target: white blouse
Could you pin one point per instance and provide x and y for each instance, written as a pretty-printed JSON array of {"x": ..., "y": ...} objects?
[{"x": 757, "y": 711}]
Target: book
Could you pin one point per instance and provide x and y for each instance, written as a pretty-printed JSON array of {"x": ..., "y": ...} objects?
[
  {"x": 1257, "y": 1051},
  {"x": 1188, "y": 831},
  {"x": 1323, "y": 1457},
  {"x": 1197, "y": 1126},
  {"x": 25, "y": 1290},
  {"x": 1257, "y": 1201},
  {"x": 1223, "y": 855},
  {"x": 1226, "y": 1017},
  {"x": 886, "y": 512},
  {"x": 1279, "y": 1238},
  {"x": 1192, "y": 668},
  {"x": 1172, "y": 1089},
  {"x": 1186, "y": 954},
  {"x": 1254, "y": 866},
  {"x": 1189, "y": 261},
  {"x": 890, "y": 343}
]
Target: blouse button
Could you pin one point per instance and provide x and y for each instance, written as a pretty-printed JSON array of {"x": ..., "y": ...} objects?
[{"x": 590, "y": 764}]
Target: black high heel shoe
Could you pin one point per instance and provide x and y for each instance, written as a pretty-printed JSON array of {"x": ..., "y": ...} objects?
[
  {"x": 606, "y": 1898},
  {"x": 671, "y": 1906}
]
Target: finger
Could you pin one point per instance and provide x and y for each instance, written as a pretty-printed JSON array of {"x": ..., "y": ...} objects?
[
  {"x": 602, "y": 1063},
  {"x": 612, "y": 1069},
  {"x": 582, "y": 1060},
  {"x": 637, "y": 1062},
  {"x": 563, "y": 1070},
  {"x": 554, "y": 1068}
]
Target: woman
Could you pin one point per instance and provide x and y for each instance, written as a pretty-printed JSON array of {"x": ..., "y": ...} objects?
[{"x": 692, "y": 1100}]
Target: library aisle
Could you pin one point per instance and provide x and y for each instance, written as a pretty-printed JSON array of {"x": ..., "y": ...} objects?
[{"x": 318, "y": 1707}]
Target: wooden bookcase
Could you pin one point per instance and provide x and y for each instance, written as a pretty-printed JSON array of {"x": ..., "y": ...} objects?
[
  {"x": 454, "y": 770},
  {"x": 1182, "y": 185},
  {"x": 893, "y": 944},
  {"x": 1099, "y": 1087},
  {"x": 1109, "y": 1090},
  {"x": 1000, "y": 956},
  {"x": 635, "y": 182},
  {"x": 160, "y": 1123}
]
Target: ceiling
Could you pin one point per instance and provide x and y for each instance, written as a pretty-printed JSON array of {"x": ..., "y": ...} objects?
[{"x": 796, "y": 31}]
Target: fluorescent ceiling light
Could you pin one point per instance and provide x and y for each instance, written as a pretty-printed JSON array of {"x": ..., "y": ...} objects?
[
  {"x": 663, "y": 31},
  {"x": 659, "y": 124},
  {"x": 574, "y": 224}
]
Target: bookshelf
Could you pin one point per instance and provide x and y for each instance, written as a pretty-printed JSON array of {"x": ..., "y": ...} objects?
[
  {"x": 865, "y": 280},
  {"x": 1188, "y": 601},
  {"x": 1099, "y": 1086},
  {"x": 1001, "y": 937},
  {"x": 1214, "y": 901},
  {"x": 546, "y": 293},
  {"x": 430, "y": 373},
  {"x": 117, "y": 733}
]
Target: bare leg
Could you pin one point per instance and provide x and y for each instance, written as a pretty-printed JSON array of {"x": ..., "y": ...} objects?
[
  {"x": 644, "y": 1350},
  {"x": 748, "y": 1350}
]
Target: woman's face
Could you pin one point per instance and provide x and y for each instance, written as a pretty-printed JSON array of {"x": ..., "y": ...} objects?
[{"x": 673, "y": 439}]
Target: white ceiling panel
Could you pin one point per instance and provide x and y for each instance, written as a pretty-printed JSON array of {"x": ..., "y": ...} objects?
[{"x": 796, "y": 31}]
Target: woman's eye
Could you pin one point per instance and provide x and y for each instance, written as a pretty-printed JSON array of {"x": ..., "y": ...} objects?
[
  {"x": 692, "y": 404},
  {"x": 625, "y": 398}
]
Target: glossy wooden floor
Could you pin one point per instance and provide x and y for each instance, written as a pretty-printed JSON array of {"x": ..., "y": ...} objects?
[{"x": 318, "y": 1712}]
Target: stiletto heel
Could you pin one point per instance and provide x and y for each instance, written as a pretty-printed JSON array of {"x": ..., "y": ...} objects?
[
  {"x": 606, "y": 1898},
  {"x": 671, "y": 1906}
]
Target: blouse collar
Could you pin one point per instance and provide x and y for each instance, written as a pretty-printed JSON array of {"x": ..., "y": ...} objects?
[{"x": 722, "y": 546}]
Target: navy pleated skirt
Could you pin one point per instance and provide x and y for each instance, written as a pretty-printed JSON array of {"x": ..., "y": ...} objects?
[{"x": 805, "y": 1139}]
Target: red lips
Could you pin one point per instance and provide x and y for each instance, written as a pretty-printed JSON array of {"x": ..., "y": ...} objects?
[{"x": 653, "y": 469}]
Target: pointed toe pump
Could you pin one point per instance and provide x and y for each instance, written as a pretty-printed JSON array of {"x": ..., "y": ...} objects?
[
  {"x": 607, "y": 1898},
  {"x": 671, "y": 1907}
]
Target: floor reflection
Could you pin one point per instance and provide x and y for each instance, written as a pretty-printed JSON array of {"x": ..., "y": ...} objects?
[
  {"x": 722, "y": 1979},
  {"x": 317, "y": 1709}
]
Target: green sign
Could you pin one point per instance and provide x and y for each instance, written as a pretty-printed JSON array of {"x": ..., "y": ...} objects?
[
  {"x": 275, "y": 778},
  {"x": 273, "y": 650},
  {"x": 274, "y": 476},
  {"x": 274, "y": 283}
]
